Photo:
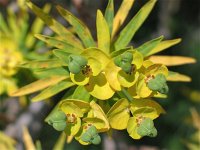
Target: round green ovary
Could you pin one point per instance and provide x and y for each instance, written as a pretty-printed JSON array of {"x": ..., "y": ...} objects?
[
  {"x": 74, "y": 67},
  {"x": 59, "y": 126},
  {"x": 58, "y": 120},
  {"x": 124, "y": 61},
  {"x": 127, "y": 57},
  {"x": 96, "y": 140},
  {"x": 146, "y": 128},
  {"x": 91, "y": 136},
  {"x": 126, "y": 67},
  {"x": 158, "y": 84},
  {"x": 76, "y": 63}
]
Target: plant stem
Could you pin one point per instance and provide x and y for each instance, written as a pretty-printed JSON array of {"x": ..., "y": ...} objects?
[{"x": 127, "y": 95}]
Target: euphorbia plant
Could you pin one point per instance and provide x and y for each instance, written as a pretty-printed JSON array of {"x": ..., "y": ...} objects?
[{"x": 111, "y": 83}]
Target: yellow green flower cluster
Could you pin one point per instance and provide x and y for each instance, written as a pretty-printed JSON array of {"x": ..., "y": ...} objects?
[
  {"x": 17, "y": 43},
  {"x": 110, "y": 83}
]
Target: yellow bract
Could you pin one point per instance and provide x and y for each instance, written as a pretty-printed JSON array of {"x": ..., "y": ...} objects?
[{"x": 99, "y": 87}]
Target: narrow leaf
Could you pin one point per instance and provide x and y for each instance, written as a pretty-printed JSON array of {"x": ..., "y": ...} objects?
[
  {"x": 103, "y": 34},
  {"x": 47, "y": 72},
  {"x": 177, "y": 77},
  {"x": 60, "y": 143},
  {"x": 42, "y": 64},
  {"x": 121, "y": 15},
  {"x": 52, "y": 41},
  {"x": 36, "y": 27},
  {"x": 81, "y": 29},
  {"x": 12, "y": 24},
  {"x": 109, "y": 14},
  {"x": 131, "y": 28},
  {"x": 52, "y": 23},
  {"x": 3, "y": 25},
  {"x": 53, "y": 90},
  {"x": 164, "y": 45},
  {"x": 81, "y": 93},
  {"x": 38, "y": 85},
  {"x": 120, "y": 51},
  {"x": 148, "y": 46},
  {"x": 28, "y": 140},
  {"x": 62, "y": 55},
  {"x": 172, "y": 60}
]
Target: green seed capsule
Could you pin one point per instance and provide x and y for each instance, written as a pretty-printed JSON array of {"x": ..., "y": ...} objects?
[
  {"x": 158, "y": 84},
  {"x": 86, "y": 137},
  {"x": 60, "y": 126},
  {"x": 58, "y": 120},
  {"x": 76, "y": 63},
  {"x": 92, "y": 131},
  {"x": 127, "y": 57},
  {"x": 126, "y": 67},
  {"x": 118, "y": 61},
  {"x": 91, "y": 136},
  {"x": 74, "y": 67},
  {"x": 96, "y": 140},
  {"x": 57, "y": 116},
  {"x": 146, "y": 128}
]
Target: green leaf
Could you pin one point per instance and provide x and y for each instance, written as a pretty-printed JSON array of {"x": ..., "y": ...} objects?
[
  {"x": 121, "y": 15},
  {"x": 103, "y": 34},
  {"x": 147, "y": 47},
  {"x": 12, "y": 20},
  {"x": 54, "y": 42},
  {"x": 109, "y": 14},
  {"x": 177, "y": 77},
  {"x": 52, "y": 23},
  {"x": 53, "y": 90},
  {"x": 81, "y": 29},
  {"x": 60, "y": 143},
  {"x": 164, "y": 45},
  {"x": 58, "y": 71},
  {"x": 36, "y": 27},
  {"x": 81, "y": 93},
  {"x": 172, "y": 60},
  {"x": 3, "y": 25},
  {"x": 62, "y": 55},
  {"x": 120, "y": 51},
  {"x": 131, "y": 28},
  {"x": 51, "y": 63},
  {"x": 38, "y": 85}
]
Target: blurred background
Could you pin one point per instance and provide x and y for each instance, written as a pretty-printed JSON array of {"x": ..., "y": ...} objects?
[{"x": 179, "y": 129}]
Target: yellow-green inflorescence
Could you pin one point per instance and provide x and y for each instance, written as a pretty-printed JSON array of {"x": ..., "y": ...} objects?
[
  {"x": 112, "y": 82},
  {"x": 17, "y": 40}
]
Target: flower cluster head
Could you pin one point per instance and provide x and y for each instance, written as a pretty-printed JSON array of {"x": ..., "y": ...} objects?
[{"x": 111, "y": 84}]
